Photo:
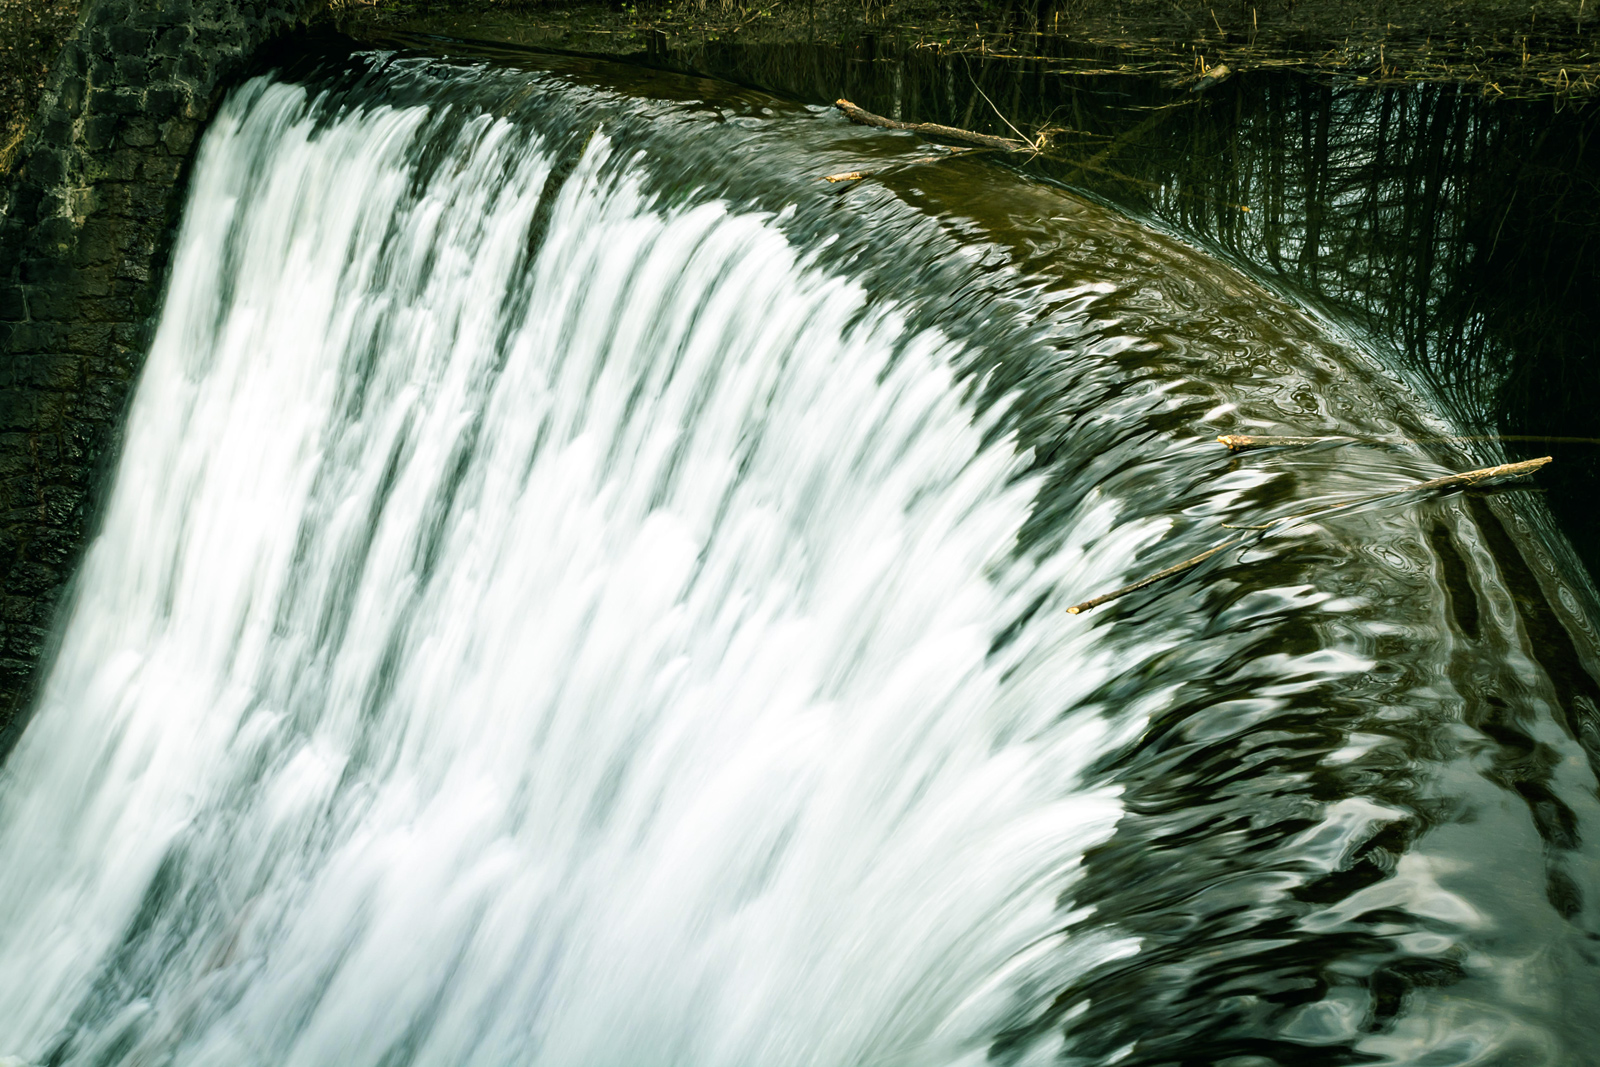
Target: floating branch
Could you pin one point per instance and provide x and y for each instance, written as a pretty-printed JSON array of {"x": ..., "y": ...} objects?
[
  {"x": 1239, "y": 442},
  {"x": 1177, "y": 568},
  {"x": 1448, "y": 481},
  {"x": 931, "y": 129},
  {"x": 1486, "y": 474}
]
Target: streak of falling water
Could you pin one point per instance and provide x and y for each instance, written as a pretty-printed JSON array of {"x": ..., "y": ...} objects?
[{"x": 585, "y": 660}]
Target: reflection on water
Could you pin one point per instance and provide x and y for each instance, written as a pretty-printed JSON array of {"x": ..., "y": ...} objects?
[{"x": 581, "y": 590}]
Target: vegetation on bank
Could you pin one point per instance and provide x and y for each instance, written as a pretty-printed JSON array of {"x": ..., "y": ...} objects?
[
  {"x": 1511, "y": 47},
  {"x": 1501, "y": 47}
]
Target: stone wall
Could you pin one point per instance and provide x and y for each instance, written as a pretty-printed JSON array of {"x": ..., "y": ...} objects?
[
  {"x": 31, "y": 35},
  {"x": 83, "y": 228}
]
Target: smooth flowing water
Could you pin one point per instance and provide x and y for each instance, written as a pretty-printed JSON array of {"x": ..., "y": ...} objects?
[{"x": 579, "y": 590}]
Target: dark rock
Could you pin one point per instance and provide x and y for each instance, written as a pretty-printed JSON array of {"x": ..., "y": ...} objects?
[
  {"x": 100, "y": 240},
  {"x": 113, "y": 199},
  {"x": 24, "y": 640},
  {"x": 118, "y": 101},
  {"x": 87, "y": 339},
  {"x": 48, "y": 166},
  {"x": 26, "y": 580},
  {"x": 149, "y": 201},
  {"x": 119, "y": 166},
  {"x": 100, "y": 131},
  {"x": 46, "y": 270},
  {"x": 102, "y": 72},
  {"x": 129, "y": 40},
  {"x": 165, "y": 103},
  {"x": 162, "y": 169},
  {"x": 114, "y": 12},
  {"x": 55, "y": 127},
  {"x": 57, "y": 233},
  {"x": 132, "y": 70},
  {"x": 56, "y": 303},
  {"x": 172, "y": 42},
  {"x": 191, "y": 67}
]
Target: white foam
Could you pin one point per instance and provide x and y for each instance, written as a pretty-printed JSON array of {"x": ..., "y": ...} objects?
[{"x": 661, "y": 728}]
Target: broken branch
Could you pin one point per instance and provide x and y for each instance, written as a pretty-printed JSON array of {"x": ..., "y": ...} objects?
[
  {"x": 1177, "y": 568},
  {"x": 1239, "y": 442},
  {"x": 857, "y": 175},
  {"x": 1486, "y": 474},
  {"x": 863, "y": 117}
]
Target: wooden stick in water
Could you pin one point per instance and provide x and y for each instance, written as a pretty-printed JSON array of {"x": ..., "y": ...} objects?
[
  {"x": 1486, "y": 474},
  {"x": 930, "y": 129},
  {"x": 1448, "y": 481},
  {"x": 1177, "y": 568}
]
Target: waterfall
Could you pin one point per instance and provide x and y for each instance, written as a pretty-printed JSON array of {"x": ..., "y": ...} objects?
[
  {"x": 583, "y": 656},
  {"x": 541, "y": 617}
]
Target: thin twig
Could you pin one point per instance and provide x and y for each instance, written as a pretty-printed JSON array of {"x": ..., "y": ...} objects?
[
  {"x": 1486, "y": 474},
  {"x": 1177, "y": 568},
  {"x": 1032, "y": 144},
  {"x": 1238, "y": 442}
]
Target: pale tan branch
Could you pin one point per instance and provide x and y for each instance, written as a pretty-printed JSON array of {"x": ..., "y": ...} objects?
[
  {"x": 931, "y": 129},
  {"x": 1176, "y": 568},
  {"x": 1485, "y": 474},
  {"x": 1240, "y": 442},
  {"x": 857, "y": 175}
]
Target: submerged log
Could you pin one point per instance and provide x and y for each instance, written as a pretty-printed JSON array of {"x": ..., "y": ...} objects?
[
  {"x": 1211, "y": 76},
  {"x": 863, "y": 117}
]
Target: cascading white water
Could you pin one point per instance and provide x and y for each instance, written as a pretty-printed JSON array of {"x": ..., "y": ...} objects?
[{"x": 583, "y": 661}]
